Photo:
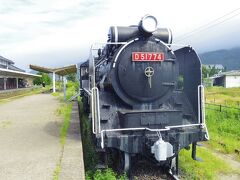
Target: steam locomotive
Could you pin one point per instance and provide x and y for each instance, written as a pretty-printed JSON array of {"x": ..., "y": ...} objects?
[{"x": 143, "y": 97}]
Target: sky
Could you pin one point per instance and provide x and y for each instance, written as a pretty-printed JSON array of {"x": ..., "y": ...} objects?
[{"x": 55, "y": 33}]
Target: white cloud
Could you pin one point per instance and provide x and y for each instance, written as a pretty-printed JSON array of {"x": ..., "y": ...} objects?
[{"x": 30, "y": 29}]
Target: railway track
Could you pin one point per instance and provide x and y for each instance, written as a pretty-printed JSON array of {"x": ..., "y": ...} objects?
[
  {"x": 172, "y": 176},
  {"x": 144, "y": 170}
]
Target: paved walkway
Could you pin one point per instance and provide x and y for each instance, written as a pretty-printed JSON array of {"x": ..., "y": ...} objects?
[{"x": 29, "y": 138}]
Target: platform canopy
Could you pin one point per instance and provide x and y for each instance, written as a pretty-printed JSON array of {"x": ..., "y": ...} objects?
[
  {"x": 62, "y": 71},
  {"x": 12, "y": 73}
]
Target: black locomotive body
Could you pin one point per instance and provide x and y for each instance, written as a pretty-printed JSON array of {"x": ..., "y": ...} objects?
[{"x": 143, "y": 97}]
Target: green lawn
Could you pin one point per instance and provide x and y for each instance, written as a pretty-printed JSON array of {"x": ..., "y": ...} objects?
[
  {"x": 208, "y": 168},
  {"x": 224, "y": 96},
  {"x": 224, "y": 130},
  {"x": 224, "y": 126},
  {"x": 11, "y": 95}
]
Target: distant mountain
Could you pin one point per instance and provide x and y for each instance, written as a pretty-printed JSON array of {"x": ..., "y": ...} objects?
[{"x": 229, "y": 58}]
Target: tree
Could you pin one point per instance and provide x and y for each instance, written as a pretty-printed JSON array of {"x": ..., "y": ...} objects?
[
  {"x": 209, "y": 71},
  {"x": 39, "y": 80},
  {"x": 213, "y": 71},
  {"x": 72, "y": 77},
  {"x": 205, "y": 71}
]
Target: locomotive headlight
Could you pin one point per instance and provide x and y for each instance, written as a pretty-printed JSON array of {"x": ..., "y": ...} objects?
[{"x": 149, "y": 23}]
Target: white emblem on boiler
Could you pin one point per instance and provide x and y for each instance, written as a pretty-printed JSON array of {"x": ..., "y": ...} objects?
[{"x": 149, "y": 72}]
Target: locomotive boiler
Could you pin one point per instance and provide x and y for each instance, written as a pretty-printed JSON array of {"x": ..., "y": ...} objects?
[{"x": 143, "y": 97}]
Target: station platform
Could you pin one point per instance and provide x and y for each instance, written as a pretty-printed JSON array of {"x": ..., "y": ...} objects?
[{"x": 72, "y": 161}]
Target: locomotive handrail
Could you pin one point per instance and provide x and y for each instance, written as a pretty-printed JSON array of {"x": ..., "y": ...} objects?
[
  {"x": 94, "y": 90},
  {"x": 201, "y": 109},
  {"x": 93, "y": 117},
  {"x": 104, "y": 43},
  {"x": 114, "y": 63},
  {"x": 96, "y": 111},
  {"x": 92, "y": 60},
  {"x": 203, "y": 104},
  {"x": 199, "y": 105},
  {"x": 179, "y": 45}
]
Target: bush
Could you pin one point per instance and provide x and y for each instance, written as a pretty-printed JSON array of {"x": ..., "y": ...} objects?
[
  {"x": 39, "y": 80},
  {"x": 89, "y": 153}
]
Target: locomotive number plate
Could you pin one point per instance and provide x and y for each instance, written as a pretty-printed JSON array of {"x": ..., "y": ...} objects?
[{"x": 147, "y": 56}]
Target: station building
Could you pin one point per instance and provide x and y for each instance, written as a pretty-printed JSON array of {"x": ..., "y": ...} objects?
[{"x": 12, "y": 77}]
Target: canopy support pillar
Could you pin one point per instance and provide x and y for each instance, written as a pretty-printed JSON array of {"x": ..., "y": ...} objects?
[
  {"x": 64, "y": 88},
  {"x": 54, "y": 86}
]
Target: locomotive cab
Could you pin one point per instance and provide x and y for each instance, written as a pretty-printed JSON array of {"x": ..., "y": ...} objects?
[{"x": 84, "y": 75}]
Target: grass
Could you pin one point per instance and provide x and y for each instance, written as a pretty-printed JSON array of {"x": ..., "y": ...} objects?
[
  {"x": 57, "y": 172},
  {"x": 72, "y": 88},
  {"x": 224, "y": 130},
  {"x": 107, "y": 174},
  {"x": 89, "y": 154},
  {"x": 57, "y": 94},
  {"x": 224, "y": 127},
  {"x": 5, "y": 124},
  {"x": 224, "y": 96},
  {"x": 209, "y": 168},
  {"x": 64, "y": 111},
  {"x": 6, "y": 97}
]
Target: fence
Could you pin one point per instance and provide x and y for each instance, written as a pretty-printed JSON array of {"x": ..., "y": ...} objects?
[
  {"x": 228, "y": 103},
  {"x": 221, "y": 108}
]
